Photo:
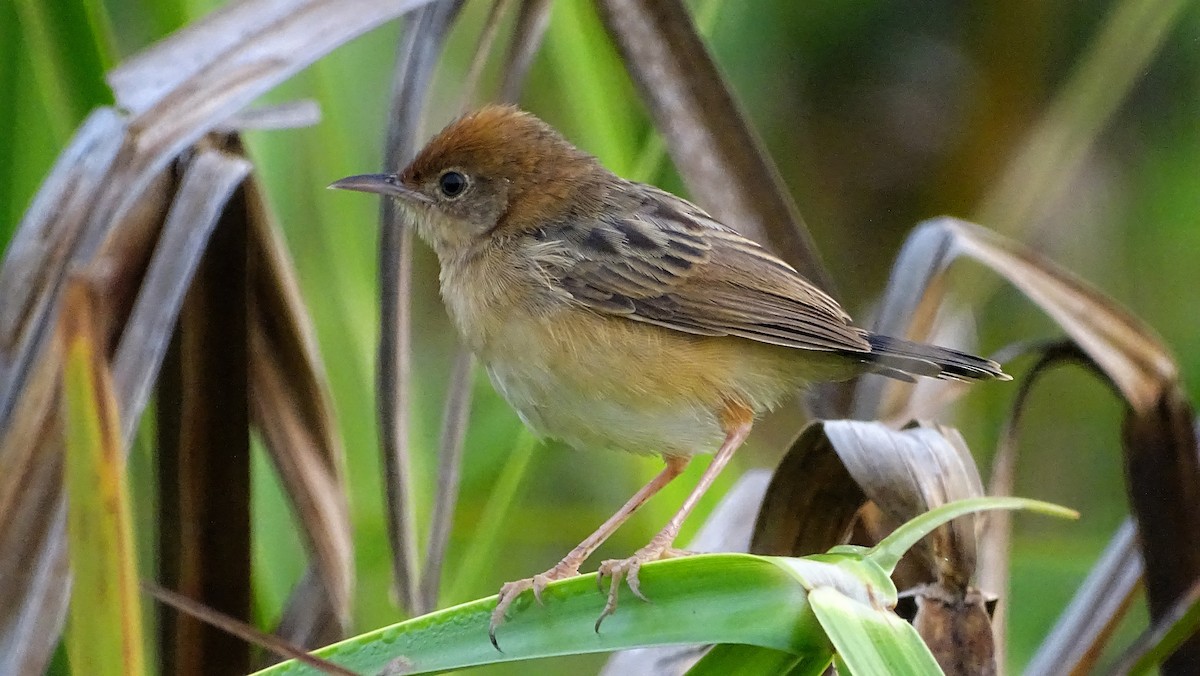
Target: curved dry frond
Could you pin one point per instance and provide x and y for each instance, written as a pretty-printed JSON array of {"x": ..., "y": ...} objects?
[
  {"x": 290, "y": 405},
  {"x": 835, "y": 467},
  {"x": 1161, "y": 459},
  {"x": 420, "y": 47}
]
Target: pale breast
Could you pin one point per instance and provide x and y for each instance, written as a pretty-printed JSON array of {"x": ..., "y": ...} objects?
[
  {"x": 600, "y": 381},
  {"x": 578, "y": 384},
  {"x": 605, "y": 382}
]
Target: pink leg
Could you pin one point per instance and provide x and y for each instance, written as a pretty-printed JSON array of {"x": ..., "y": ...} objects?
[
  {"x": 569, "y": 566},
  {"x": 660, "y": 545}
]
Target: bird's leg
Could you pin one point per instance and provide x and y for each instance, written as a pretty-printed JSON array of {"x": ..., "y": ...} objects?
[
  {"x": 569, "y": 566},
  {"x": 737, "y": 422}
]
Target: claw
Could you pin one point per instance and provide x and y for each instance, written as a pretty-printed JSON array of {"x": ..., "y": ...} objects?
[
  {"x": 539, "y": 584},
  {"x": 610, "y": 606},
  {"x": 629, "y": 570},
  {"x": 511, "y": 590},
  {"x": 508, "y": 593},
  {"x": 631, "y": 579},
  {"x": 618, "y": 570}
]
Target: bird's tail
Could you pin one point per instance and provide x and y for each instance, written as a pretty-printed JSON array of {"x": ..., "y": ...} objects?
[{"x": 897, "y": 357}]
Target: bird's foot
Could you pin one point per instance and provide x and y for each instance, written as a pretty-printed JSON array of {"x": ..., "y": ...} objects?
[
  {"x": 628, "y": 569},
  {"x": 511, "y": 590}
]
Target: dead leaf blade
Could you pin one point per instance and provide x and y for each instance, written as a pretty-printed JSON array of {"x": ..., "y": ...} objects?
[
  {"x": 424, "y": 34},
  {"x": 292, "y": 407}
]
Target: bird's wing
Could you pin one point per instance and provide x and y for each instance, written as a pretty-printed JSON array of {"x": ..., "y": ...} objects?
[{"x": 664, "y": 261}]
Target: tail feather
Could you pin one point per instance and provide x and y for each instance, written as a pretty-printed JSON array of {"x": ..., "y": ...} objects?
[{"x": 896, "y": 354}]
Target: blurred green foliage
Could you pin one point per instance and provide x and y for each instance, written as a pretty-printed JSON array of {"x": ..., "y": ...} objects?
[{"x": 879, "y": 114}]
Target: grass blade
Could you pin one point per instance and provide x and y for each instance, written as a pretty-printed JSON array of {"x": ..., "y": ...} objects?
[
  {"x": 105, "y": 626},
  {"x": 888, "y": 552}
]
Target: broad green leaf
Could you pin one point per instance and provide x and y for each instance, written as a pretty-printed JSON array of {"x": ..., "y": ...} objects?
[
  {"x": 105, "y": 627},
  {"x": 717, "y": 598},
  {"x": 871, "y": 640},
  {"x": 720, "y": 598}
]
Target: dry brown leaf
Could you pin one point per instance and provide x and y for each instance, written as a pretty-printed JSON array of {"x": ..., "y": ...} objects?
[
  {"x": 291, "y": 406},
  {"x": 37, "y": 256},
  {"x": 116, "y": 258},
  {"x": 830, "y": 473},
  {"x": 289, "y": 115},
  {"x": 203, "y": 415},
  {"x": 208, "y": 183},
  {"x": 1162, "y": 464},
  {"x": 811, "y": 502}
]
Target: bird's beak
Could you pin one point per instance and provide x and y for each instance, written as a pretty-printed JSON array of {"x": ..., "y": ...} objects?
[{"x": 383, "y": 184}]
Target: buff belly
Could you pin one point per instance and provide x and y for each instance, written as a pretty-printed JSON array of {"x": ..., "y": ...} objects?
[
  {"x": 583, "y": 420},
  {"x": 605, "y": 382}
]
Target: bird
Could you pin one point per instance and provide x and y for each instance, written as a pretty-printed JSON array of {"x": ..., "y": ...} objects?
[{"x": 613, "y": 314}]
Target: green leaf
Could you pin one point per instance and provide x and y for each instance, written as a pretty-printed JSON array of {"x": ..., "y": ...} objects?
[
  {"x": 870, "y": 640},
  {"x": 104, "y": 630},
  {"x": 719, "y": 598},
  {"x": 888, "y": 552}
]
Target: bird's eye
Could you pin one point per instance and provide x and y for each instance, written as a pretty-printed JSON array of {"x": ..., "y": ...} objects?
[{"x": 452, "y": 183}]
